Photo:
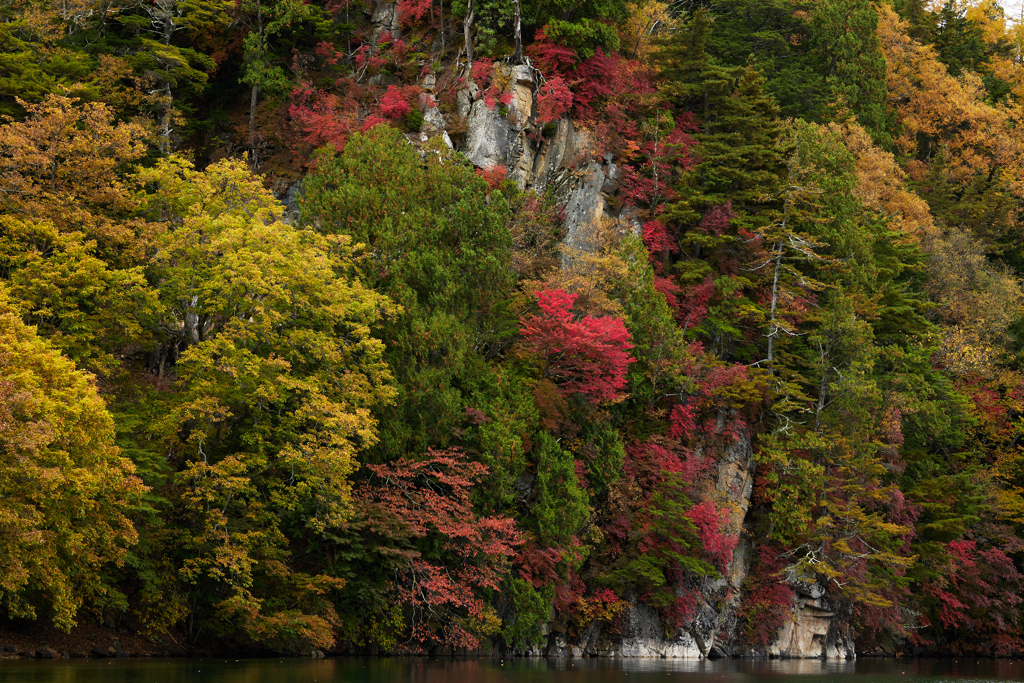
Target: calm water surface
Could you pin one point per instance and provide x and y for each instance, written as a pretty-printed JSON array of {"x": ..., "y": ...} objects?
[{"x": 355, "y": 670}]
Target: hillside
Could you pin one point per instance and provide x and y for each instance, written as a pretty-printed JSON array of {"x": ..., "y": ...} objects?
[{"x": 685, "y": 329}]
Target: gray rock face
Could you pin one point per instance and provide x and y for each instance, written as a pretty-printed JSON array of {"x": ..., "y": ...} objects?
[
  {"x": 552, "y": 155},
  {"x": 521, "y": 89},
  {"x": 433, "y": 120},
  {"x": 643, "y": 636},
  {"x": 465, "y": 98},
  {"x": 584, "y": 207},
  {"x": 384, "y": 18},
  {"x": 291, "y": 203},
  {"x": 812, "y": 632},
  {"x": 491, "y": 140}
]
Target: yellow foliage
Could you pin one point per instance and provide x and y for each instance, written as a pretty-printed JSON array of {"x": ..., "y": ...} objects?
[
  {"x": 647, "y": 18},
  {"x": 62, "y": 165},
  {"x": 977, "y": 138},
  {"x": 592, "y": 272},
  {"x": 882, "y": 184},
  {"x": 979, "y": 300},
  {"x": 65, "y": 490}
]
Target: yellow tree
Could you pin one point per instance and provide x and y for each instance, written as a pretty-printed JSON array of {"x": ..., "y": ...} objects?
[
  {"x": 65, "y": 492},
  {"x": 945, "y": 121},
  {"x": 269, "y": 336},
  {"x": 882, "y": 185},
  {"x": 65, "y": 164}
]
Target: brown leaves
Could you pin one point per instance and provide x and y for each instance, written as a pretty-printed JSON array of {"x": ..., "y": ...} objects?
[
  {"x": 882, "y": 185},
  {"x": 946, "y": 119}
]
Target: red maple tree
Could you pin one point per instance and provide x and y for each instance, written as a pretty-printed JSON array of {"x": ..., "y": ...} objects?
[{"x": 588, "y": 356}]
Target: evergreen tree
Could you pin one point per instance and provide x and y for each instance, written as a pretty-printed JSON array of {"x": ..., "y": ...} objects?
[
  {"x": 845, "y": 48},
  {"x": 439, "y": 245}
]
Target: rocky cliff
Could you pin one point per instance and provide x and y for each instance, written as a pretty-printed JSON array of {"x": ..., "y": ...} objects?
[{"x": 566, "y": 164}]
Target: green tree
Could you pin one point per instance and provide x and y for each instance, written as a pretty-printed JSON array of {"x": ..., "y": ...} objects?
[
  {"x": 267, "y": 21},
  {"x": 846, "y": 50},
  {"x": 736, "y": 187},
  {"x": 775, "y": 34},
  {"x": 439, "y": 245}
]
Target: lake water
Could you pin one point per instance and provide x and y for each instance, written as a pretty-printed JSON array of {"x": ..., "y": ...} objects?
[{"x": 439, "y": 670}]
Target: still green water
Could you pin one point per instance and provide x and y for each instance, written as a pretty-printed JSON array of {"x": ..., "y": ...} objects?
[{"x": 433, "y": 670}]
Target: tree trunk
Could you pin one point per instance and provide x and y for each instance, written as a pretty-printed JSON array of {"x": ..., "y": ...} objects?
[
  {"x": 518, "y": 56},
  {"x": 254, "y": 93},
  {"x": 252, "y": 112},
  {"x": 440, "y": 18},
  {"x": 165, "y": 124},
  {"x": 773, "y": 327},
  {"x": 467, "y": 25}
]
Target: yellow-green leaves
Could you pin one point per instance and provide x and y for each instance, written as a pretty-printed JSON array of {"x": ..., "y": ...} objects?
[
  {"x": 278, "y": 373},
  {"x": 63, "y": 485}
]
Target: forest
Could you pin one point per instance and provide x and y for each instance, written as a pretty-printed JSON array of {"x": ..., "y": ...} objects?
[{"x": 565, "y": 327}]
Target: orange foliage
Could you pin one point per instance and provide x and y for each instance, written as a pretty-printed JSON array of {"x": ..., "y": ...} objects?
[
  {"x": 946, "y": 119},
  {"x": 882, "y": 184},
  {"x": 63, "y": 164}
]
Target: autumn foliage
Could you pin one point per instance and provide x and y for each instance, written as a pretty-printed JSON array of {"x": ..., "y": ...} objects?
[
  {"x": 426, "y": 504},
  {"x": 424, "y": 327},
  {"x": 588, "y": 356}
]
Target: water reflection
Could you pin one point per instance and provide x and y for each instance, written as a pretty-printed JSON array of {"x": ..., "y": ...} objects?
[{"x": 440, "y": 670}]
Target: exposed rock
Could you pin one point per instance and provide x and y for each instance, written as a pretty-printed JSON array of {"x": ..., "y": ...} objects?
[
  {"x": 612, "y": 174},
  {"x": 585, "y": 148},
  {"x": 291, "y": 203},
  {"x": 643, "y": 636},
  {"x": 584, "y": 207},
  {"x": 813, "y": 631},
  {"x": 552, "y": 155},
  {"x": 629, "y": 219},
  {"x": 490, "y": 140},
  {"x": 522, "y": 172},
  {"x": 384, "y": 18},
  {"x": 433, "y": 119},
  {"x": 523, "y": 74},
  {"x": 465, "y": 98},
  {"x": 521, "y": 88}
]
